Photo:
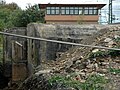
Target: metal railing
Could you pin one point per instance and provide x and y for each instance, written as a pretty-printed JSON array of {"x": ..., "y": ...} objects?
[{"x": 55, "y": 41}]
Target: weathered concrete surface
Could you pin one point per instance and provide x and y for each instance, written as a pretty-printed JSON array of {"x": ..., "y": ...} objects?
[
  {"x": 8, "y": 40},
  {"x": 36, "y": 52},
  {"x": 12, "y": 54},
  {"x": 41, "y": 51}
]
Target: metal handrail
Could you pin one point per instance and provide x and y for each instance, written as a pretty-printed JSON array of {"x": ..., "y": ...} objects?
[{"x": 55, "y": 41}]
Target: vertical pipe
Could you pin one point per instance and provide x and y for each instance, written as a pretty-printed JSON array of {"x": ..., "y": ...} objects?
[{"x": 110, "y": 12}]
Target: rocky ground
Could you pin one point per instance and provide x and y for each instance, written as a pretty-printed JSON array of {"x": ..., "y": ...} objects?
[{"x": 82, "y": 68}]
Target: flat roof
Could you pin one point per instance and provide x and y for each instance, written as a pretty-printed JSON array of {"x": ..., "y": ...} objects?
[
  {"x": 81, "y": 4},
  {"x": 69, "y": 2}
]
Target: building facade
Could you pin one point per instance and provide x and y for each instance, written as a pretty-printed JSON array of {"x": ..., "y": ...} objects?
[{"x": 72, "y": 13}]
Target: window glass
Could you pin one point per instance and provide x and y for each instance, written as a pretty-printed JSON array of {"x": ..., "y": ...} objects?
[
  {"x": 71, "y": 7},
  {"x": 67, "y": 11},
  {"x": 58, "y": 11},
  {"x": 90, "y": 11},
  {"x": 62, "y": 11},
  {"x": 76, "y": 7},
  {"x": 95, "y": 12},
  {"x": 48, "y": 7},
  {"x": 62, "y": 7},
  {"x": 80, "y": 11},
  {"x": 76, "y": 12},
  {"x": 80, "y": 8},
  {"x": 72, "y": 11},
  {"x": 91, "y": 7},
  {"x": 48, "y": 11},
  {"x": 57, "y": 8},
  {"x": 95, "y": 7},
  {"x": 86, "y": 10},
  {"x": 52, "y": 11},
  {"x": 52, "y": 7},
  {"x": 67, "y": 7}
]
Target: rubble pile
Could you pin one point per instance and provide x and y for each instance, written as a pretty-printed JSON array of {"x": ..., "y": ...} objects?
[{"x": 80, "y": 63}]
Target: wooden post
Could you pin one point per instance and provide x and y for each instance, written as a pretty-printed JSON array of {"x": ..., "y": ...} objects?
[{"x": 19, "y": 68}]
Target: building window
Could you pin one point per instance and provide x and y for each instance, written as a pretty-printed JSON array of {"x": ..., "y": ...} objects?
[
  {"x": 48, "y": 12},
  {"x": 95, "y": 11},
  {"x": 71, "y": 10},
  {"x": 57, "y": 10},
  {"x": 91, "y": 10},
  {"x": 76, "y": 12},
  {"x": 80, "y": 10},
  {"x": 86, "y": 10},
  {"x": 62, "y": 10},
  {"x": 67, "y": 10},
  {"x": 53, "y": 10}
]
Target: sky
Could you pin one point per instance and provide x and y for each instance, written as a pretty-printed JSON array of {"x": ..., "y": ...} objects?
[{"x": 24, "y": 3}]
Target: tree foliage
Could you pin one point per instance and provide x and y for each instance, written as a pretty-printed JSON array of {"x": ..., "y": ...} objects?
[
  {"x": 31, "y": 14},
  {"x": 6, "y": 10},
  {"x": 12, "y": 16}
]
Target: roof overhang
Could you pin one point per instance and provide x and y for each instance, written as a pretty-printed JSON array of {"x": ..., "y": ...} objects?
[{"x": 84, "y": 5}]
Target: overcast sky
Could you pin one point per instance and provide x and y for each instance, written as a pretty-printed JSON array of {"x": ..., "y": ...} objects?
[{"x": 23, "y": 3}]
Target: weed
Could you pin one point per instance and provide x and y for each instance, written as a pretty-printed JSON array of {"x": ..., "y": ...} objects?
[
  {"x": 94, "y": 82},
  {"x": 97, "y": 54},
  {"x": 117, "y": 39}
]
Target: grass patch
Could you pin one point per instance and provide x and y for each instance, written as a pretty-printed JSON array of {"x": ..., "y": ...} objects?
[
  {"x": 97, "y": 54},
  {"x": 115, "y": 71},
  {"x": 93, "y": 82}
]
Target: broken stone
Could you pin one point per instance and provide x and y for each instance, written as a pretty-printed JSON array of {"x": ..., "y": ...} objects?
[
  {"x": 90, "y": 66},
  {"x": 107, "y": 40},
  {"x": 101, "y": 74},
  {"x": 43, "y": 72},
  {"x": 110, "y": 44},
  {"x": 116, "y": 36},
  {"x": 117, "y": 61},
  {"x": 105, "y": 63},
  {"x": 82, "y": 81},
  {"x": 96, "y": 66},
  {"x": 81, "y": 74},
  {"x": 95, "y": 50},
  {"x": 102, "y": 70},
  {"x": 78, "y": 62}
]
